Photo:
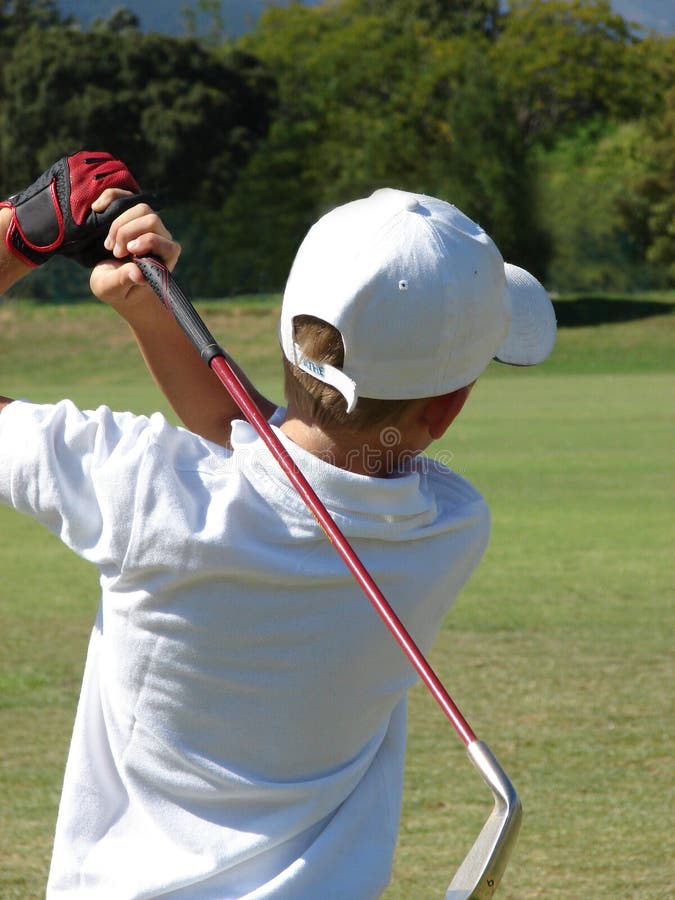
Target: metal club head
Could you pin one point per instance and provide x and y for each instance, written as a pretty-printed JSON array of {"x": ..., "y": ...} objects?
[{"x": 481, "y": 871}]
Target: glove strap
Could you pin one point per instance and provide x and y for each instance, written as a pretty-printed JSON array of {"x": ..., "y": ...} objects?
[{"x": 41, "y": 217}]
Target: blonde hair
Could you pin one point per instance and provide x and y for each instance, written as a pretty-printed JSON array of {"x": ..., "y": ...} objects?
[{"x": 322, "y": 403}]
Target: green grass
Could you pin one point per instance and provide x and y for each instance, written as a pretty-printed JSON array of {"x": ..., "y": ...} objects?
[{"x": 559, "y": 652}]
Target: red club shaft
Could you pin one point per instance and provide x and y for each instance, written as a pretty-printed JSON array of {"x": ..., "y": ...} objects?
[
  {"x": 244, "y": 401},
  {"x": 167, "y": 289}
]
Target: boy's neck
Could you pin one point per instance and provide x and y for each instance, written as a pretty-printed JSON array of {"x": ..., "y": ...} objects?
[{"x": 379, "y": 454}]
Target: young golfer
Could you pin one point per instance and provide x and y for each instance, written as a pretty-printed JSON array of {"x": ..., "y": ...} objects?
[{"x": 242, "y": 722}]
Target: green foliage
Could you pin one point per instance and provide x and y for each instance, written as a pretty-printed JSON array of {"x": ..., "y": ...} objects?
[
  {"x": 607, "y": 189},
  {"x": 119, "y": 21},
  {"x": 374, "y": 93},
  {"x": 150, "y": 99},
  {"x": 212, "y": 9},
  {"x": 648, "y": 210},
  {"x": 584, "y": 182},
  {"x": 185, "y": 118},
  {"x": 444, "y": 18},
  {"x": 587, "y": 94},
  {"x": 365, "y": 102},
  {"x": 486, "y": 170},
  {"x": 16, "y": 16},
  {"x": 529, "y": 120},
  {"x": 567, "y": 61}
]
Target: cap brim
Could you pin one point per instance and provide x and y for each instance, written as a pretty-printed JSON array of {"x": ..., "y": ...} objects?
[{"x": 532, "y": 331}]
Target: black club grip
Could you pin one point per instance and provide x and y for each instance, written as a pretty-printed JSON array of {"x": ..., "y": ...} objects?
[{"x": 169, "y": 292}]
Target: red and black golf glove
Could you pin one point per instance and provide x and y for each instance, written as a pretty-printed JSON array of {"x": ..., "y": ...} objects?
[{"x": 54, "y": 214}]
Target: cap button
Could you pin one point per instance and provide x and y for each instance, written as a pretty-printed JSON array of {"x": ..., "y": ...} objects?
[{"x": 412, "y": 204}]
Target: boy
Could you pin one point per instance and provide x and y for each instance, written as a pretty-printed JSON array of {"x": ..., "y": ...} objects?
[{"x": 241, "y": 726}]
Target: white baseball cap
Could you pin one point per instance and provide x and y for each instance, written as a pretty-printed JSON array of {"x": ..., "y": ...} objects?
[{"x": 420, "y": 294}]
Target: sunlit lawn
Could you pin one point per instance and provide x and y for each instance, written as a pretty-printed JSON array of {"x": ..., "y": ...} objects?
[{"x": 558, "y": 652}]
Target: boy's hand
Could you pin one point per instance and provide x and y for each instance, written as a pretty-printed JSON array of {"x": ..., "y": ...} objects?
[
  {"x": 56, "y": 215},
  {"x": 138, "y": 231}
]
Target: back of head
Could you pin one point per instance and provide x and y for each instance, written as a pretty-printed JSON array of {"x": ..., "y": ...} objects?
[
  {"x": 320, "y": 402},
  {"x": 416, "y": 300}
]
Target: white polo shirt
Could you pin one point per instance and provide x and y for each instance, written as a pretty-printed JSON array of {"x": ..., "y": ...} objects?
[{"x": 241, "y": 726}]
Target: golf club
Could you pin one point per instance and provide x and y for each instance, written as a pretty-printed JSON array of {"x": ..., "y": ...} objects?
[{"x": 479, "y": 874}]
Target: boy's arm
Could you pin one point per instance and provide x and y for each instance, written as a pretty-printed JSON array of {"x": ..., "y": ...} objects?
[
  {"x": 52, "y": 217},
  {"x": 194, "y": 392},
  {"x": 11, "y": 269}
]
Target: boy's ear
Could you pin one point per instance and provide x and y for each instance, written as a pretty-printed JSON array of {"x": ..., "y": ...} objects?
[{"x": 439, "y": 413}]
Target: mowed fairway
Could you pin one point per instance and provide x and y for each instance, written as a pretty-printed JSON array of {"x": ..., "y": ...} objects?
[{"x": 559, "y": 652}]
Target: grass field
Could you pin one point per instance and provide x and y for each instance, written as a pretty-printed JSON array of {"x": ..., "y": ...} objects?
[{"x": 559, "y": 652}]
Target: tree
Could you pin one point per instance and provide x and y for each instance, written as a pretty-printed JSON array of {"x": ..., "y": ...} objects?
[
  {"x": 364, "y": 103},
  {"x": 443, "y": 18},
  {"x": 185, "y": 118},
  {"x": 119, "y": 21},
  {"x": 608, "y": 197},
  {"x": 197, "y": 11},
  {"x": 18, "y": 15},
  {"x": 565, "y": 61},
  {"x": 606, "y": 183},
  {"x": 178, "y": 114},
  {"x": 648, "y": 207}
]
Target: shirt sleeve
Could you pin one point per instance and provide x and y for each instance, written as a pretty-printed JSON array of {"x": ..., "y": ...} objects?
[{"x": 75, "y": 472}]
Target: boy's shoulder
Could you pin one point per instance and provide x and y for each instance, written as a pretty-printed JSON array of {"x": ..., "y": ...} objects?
[
  {"x": 457, "y": 502},
  {"x": 446, "y": 482}
]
